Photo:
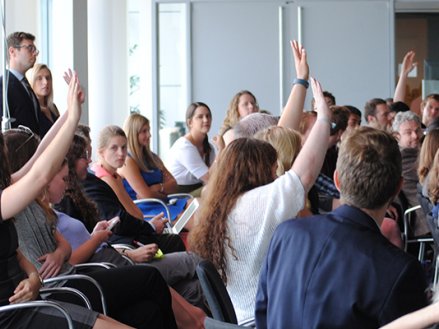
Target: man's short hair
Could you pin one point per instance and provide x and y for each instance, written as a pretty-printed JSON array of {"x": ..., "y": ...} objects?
[
  {"x": 402, "y": 117},
  {"x": 353, "y": 110},
  {"x": 369, "y": 168},
  {"x": 399, "y": 107},
  {"x": 15, "y": 39},
  {"x": 340, "y": 117},
  {"x": 371, "y": 106},
  {"x": 252, "y": 123}
]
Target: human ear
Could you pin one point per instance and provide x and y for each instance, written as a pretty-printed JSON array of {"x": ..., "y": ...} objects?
[{"x": 336, "y": 180}]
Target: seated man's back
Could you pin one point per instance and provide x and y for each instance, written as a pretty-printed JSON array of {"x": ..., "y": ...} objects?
[{"x": 337, "y": 270}]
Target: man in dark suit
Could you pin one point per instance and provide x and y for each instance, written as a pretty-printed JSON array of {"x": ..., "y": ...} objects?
[
  {"x": 24, "y": 108},
  {"x": 337, "y": 270}
]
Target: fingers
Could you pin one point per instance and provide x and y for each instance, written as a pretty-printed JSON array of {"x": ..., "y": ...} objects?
[{"x": 159, "y": 216}]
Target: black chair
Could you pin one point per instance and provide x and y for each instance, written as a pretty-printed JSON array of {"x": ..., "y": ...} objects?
[{"x": 216, "y": 294}]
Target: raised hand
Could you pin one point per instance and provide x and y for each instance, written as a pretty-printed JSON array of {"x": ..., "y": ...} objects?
[
  {"x": 408, "y": 63},
  {"x": 300, "y": 60},
  {"x": 74, "y": 98},
  {"x": 70, "y": 75},
  {"x": 323, "y": 110}
]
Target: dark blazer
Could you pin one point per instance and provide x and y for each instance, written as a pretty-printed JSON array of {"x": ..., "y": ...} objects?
[
  {"x": 129, "y": 228},
  {"x": 21, "y": 106},
  {"x": 336, "y": 271}
]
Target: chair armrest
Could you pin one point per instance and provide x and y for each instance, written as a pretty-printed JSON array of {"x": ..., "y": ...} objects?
[
  {"x": 45, "y": 292},
  {"x": 81, "y": 277},
  {"x": 40, "y": 303},
  {"x": 99, "y": 265}
]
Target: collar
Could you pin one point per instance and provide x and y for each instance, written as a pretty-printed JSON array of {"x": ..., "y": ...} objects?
[
  {"x": 17, "y": 74},
  {"x": 355, "y": 216}
]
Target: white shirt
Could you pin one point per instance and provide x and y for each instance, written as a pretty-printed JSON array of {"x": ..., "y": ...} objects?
[
  {"x": 184, "y": 162},
  {"x": 251, "y": 225}
]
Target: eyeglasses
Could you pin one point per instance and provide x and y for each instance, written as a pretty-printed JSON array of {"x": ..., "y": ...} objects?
[
  {"x": 28, "y": 132},
  {"x": 32, "y": 49}
]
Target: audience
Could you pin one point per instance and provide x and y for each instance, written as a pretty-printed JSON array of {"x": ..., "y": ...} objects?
[
  {"x": 407, "y": 130},
  {"x": 22, "y": 102},
  {"x": 90, "y": 199},
  {"x": 191, "y": 155},
  {"x": 345, "y": 274},
  {"x": 41, "y": 83},
  {"x": 144, "y": 175},
  {"x": 244, "y": 203},
  {"x": 21, "y": 280},
  {"x": 430, "y": 109},
  {"x": 241, "y": 105},
  {"x": 354, "y": 119},
  {"x": 376, "y": 112}
]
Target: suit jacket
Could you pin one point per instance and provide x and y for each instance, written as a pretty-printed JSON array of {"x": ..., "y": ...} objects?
[
  {"x": 21, "y": 106},
  {"x": 336, "y": 271}
]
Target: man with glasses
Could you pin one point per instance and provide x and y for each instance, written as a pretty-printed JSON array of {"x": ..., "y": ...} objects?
[{"x": 24, "y": 108}]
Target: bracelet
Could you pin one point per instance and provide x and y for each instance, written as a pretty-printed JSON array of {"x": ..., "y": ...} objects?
[
  {"x": 162, "y": 188},
  {"x": 302, "y": 82}
]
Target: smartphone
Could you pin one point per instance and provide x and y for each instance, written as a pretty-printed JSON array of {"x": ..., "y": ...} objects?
[{"x": 112, "y": 222}]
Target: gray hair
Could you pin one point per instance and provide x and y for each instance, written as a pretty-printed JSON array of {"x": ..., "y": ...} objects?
[
  {"x": 253, "y": 123},
  {"x": 402, "y": 117}
]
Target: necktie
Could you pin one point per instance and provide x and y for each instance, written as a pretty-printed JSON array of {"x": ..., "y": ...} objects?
[{"x": 31, "y": 94}]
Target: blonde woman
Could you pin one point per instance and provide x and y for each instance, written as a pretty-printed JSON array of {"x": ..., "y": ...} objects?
[
  {"x": 40, "y": 78},
  {"x": 287, "y": 144},
  {"x": 241, "y": 105},
  {"x": 144, "y": 174}
]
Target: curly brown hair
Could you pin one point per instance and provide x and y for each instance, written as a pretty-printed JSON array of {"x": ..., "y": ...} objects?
[
  {"x": 87, "y": 208},
  {"x": 245, "y": 164}
]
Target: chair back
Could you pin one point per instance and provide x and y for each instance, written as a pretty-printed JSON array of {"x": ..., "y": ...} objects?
[{"x": 216, "y": 293}]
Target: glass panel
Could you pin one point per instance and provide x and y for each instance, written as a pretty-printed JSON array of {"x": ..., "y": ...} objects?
[
  {"x": 139, "y": 58},
  {"x": 418, "y": 32},
  {"x": 172, "y": 75}
]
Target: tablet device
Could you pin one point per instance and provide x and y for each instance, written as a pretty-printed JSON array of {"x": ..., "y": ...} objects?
[{"x": 180, "y": 222}]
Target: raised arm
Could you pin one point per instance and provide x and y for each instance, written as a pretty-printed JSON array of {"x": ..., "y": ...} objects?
[
  {"x": 292, "y": 111},
  {"x": 408, "y": 65},
  {"x": 22, "y": 192},
  {"x": 41, "y": 147},
  {"x": 310, "y": 159}
]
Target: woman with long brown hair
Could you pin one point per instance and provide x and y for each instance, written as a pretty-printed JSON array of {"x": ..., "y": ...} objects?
[
  {"x": 192, "y": 155},
  {"x": 244, "y": 203}
]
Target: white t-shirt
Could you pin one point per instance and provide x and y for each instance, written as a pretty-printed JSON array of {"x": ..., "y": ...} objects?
[
  {"x": 185, "y": 163},
  {"x": 251, "y": 225}
]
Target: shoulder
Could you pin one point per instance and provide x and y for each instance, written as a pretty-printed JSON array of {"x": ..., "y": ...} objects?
[{"x": 100, "y": 171}]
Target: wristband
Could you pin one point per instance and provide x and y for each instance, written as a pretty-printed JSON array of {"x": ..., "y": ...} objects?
[{"x": 302, "y": 82}]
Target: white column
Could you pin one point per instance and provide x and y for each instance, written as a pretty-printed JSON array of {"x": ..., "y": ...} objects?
[{"x": 107, "y": 68}]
